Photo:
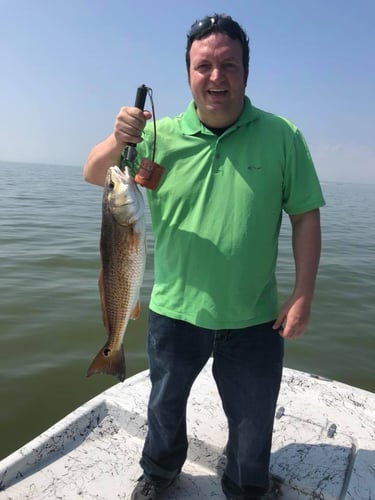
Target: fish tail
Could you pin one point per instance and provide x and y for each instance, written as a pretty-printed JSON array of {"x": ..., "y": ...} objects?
[{"x": 110, "y": 361}]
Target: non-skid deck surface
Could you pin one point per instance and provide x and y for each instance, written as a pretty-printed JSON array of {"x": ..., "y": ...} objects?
[{"x": 323, "y": 445}]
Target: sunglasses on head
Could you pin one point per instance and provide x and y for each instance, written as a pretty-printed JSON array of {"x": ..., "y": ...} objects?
[{"x": 223, "y": 23}]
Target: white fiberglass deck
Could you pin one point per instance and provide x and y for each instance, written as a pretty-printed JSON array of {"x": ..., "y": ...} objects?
[{"x": 323, "y": 445}]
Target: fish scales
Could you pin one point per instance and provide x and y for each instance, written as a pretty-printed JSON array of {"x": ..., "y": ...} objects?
[
  {"x": 123, "y": 257},
  {"x": 120, "y": 276}
]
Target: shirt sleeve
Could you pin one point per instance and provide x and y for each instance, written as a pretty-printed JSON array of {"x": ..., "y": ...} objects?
[{"x": 301, "y": 187}]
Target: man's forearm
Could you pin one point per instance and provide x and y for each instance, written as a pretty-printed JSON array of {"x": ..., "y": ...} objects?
[
  {"x": 306, "y": 251},
  {"x": 102, "y": 156}
]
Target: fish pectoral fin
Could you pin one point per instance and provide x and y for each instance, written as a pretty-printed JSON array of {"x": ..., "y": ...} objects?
[
  {"x": 110, "y": 361},
  {"x": 102, "y": 300},
  {"x": 136, "y": 240},
  {"x": 135, "y": 312}
]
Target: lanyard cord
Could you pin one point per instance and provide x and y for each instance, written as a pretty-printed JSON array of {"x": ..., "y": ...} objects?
[{"x": 149, "y": 91}]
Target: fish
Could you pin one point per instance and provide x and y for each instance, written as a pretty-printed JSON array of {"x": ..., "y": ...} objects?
[{"x": 123, "y": 248}]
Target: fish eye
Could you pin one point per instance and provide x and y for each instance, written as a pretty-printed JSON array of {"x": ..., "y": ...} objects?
[{"x": 111, "y": 185}]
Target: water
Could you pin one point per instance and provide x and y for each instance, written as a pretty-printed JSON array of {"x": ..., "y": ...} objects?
[{"x": 50, "y": 313}]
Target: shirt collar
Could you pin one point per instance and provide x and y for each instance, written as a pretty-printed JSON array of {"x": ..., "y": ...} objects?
[{"x": 190, "y": 123}]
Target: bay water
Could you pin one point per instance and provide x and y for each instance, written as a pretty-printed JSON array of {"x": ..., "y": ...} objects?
[{"x": 50, "y": 315}]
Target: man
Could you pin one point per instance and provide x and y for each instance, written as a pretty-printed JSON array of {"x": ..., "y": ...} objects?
[{"x": 230, "y": 170}]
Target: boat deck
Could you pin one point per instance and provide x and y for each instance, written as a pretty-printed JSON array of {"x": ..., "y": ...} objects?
[{"x": 323, "y": 445}]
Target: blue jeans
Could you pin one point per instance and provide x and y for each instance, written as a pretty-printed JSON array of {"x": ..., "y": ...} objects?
[{"x": 247, "y": 367}]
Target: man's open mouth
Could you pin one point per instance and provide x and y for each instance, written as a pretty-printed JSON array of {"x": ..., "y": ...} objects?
[{"x": 217, "y": 92}]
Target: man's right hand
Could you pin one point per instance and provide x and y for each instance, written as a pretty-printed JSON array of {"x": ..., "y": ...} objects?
[{"x": 129, "y": 124}]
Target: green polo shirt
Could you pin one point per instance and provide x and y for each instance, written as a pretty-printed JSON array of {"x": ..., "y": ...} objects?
[{"x": 217, "y": 211}]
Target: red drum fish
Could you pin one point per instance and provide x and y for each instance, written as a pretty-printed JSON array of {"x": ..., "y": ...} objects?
[{"x": 123, "y": 258}]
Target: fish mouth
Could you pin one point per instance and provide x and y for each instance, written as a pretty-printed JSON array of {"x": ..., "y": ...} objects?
[{"x": 127, "y": 203}]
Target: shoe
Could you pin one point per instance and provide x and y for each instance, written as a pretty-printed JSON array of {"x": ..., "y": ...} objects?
[{"x": 149, "y": 490}]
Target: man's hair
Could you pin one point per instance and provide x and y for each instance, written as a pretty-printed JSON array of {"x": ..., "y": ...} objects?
[{"x": 219, "y": 23}]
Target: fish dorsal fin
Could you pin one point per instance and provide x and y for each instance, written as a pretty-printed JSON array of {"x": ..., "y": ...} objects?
[
  {"x": 135, "y": 312},
  {"x": 102, "y": 300}
]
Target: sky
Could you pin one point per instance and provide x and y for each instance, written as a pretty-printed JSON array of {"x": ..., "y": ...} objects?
[{"x": 68, "y": 66}]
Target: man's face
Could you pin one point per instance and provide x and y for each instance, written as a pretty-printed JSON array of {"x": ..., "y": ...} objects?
[{"x": 217, "y": 79}]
